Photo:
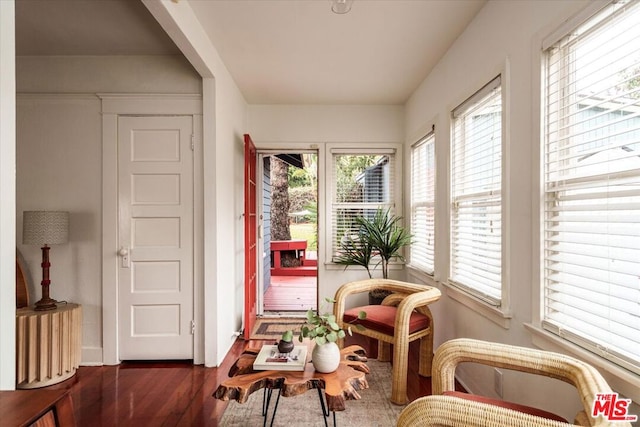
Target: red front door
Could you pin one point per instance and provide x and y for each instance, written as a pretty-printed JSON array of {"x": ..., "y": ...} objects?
[{"x": 250, "y": 236}]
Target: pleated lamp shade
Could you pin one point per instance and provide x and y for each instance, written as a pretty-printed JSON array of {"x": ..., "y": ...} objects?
[{"x": 45, "y": 227}]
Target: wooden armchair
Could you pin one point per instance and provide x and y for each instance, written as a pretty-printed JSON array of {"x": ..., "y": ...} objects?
[
  {"x": 404, "y": 316},
  {"x": 447, "y": 407}
]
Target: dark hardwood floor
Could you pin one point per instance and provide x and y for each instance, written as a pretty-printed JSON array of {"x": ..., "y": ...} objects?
[{"x": 146, "y": 394}]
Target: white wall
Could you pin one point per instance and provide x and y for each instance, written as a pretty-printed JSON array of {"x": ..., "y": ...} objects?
[
  {"x": 114, "y": 74},
  {"x": 315, "y": 126},
  {"x": 503, "y": 38},
  {"x": 7, "y": 196},
  {"x": 228, "y": 208},
  {"x": 326, "y": 123},
  {"x": 58, "y": 168},
  {"x": 224, "y": 114},
  {"x": 59, "y": 162}
]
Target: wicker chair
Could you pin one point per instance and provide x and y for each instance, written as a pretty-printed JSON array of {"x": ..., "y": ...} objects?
[
  {"x": 404, "y": 316},
  {"x": 449, "y": 408}
]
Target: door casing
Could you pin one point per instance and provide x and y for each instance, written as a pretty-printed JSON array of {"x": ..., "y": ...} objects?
[
  {"x": 261, "y": 153},
  {"x": 114, "y": 105}
]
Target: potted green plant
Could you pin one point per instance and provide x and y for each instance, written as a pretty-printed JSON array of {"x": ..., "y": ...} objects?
[
  {"x": 325, "y": 331},
  {"x": 285, "y": 345},
  {"x": 356, "y": 249},
  {"x": 381, "y": 236}
]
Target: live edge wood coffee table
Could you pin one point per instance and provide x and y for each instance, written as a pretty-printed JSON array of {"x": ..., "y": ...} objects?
[{"x": 339, "y": 386}]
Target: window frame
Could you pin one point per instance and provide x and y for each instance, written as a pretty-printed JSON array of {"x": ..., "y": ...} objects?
[
  {"x": 496, "y": 308},
  {"x": 545, "y": 323},
  {"x": 358, "y": 149},
  {"x": 620, "y": 379},
  {"x": 429, "y": 201}
]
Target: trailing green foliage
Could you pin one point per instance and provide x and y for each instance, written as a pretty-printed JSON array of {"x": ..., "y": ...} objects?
[{"x": 324, "y": 328}]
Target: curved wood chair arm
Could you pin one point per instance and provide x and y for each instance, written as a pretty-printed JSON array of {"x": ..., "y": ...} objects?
[
  {"x": 393, "y": 299},
  {"x": 410, "y": 303},
  {"x": 584, "y": 377},
  {"x": 452, "y": 411},
  {"x": 396, "y": 286}
]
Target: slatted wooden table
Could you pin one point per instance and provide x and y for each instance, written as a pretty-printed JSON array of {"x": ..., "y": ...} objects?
[
  {"x": 48, "y": 345},
  {"x": 339, "y": 386}
]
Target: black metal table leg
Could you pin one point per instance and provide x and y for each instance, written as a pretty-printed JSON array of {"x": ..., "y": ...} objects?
[
  {"x": 325, "y": 410},
  {"x": 266, "y": 401}
]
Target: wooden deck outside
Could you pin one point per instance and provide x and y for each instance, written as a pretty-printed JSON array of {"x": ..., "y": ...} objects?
[{"x": 291, "y": 293}]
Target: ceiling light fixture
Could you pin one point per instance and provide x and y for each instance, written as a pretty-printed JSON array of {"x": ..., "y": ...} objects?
[{"x": 341, "y": 6}]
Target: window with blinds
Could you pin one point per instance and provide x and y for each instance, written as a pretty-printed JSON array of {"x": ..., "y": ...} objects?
[
  {"x": 423, "y": 179},
  {"x": 362, "y": 183},
  {"x": 476, "y": 194},
  {"x": 592, "y": 185}
]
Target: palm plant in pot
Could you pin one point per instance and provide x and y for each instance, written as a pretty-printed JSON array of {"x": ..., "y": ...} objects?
[
  {"x": 325, "y": 331},
  {"x": 381, "y": 236}
]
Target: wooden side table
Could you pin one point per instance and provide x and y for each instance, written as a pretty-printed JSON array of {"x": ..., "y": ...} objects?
[
  {"x": 48, "y": 345},
  {"x": 339, "y": 386}
]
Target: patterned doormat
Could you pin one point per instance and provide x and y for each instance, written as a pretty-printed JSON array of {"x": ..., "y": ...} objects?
[{"x": 267, "y": 328}]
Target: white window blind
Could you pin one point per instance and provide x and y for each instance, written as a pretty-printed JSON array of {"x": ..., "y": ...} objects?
[
  {"x": 476, "y": 188},
  {"x": 423, "y": 178},
  {"x": 592, "y": 186},
  {"x": 362, "y": 183}
]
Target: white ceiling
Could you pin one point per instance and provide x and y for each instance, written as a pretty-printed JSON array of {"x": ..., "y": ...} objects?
[{"x": 278, "y": 51}]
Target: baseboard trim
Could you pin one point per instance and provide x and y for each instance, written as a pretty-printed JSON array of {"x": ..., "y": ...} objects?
[{"x": 91, "y": 356}]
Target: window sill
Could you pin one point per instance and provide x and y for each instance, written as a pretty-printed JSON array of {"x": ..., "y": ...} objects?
[
  {"x": 421, "y": 276},
  {"x": 498, "y": 316},
  {"x": 620, "y": 380},
  {"x": 333, "y": 266}
]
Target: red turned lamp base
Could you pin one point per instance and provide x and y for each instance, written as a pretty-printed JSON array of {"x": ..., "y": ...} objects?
[{"x": 45, "y": 303}]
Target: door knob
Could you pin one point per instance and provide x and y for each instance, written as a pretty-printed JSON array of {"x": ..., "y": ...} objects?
[{"x": 124, "y": 253}]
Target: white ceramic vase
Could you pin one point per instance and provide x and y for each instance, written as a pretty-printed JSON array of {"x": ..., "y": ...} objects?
[{"x": 326, "y": 357}]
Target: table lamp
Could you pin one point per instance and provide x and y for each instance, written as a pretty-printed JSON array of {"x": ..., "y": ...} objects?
[{"x": 45, "y": 228}]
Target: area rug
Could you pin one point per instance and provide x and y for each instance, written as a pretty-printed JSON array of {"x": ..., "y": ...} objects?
[
  {"x": 267, "y": 328},
  {"x": 373, "y": 409}
]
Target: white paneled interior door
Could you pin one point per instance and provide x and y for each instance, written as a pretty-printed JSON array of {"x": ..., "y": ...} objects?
[{"x": 155, "y": 269}]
